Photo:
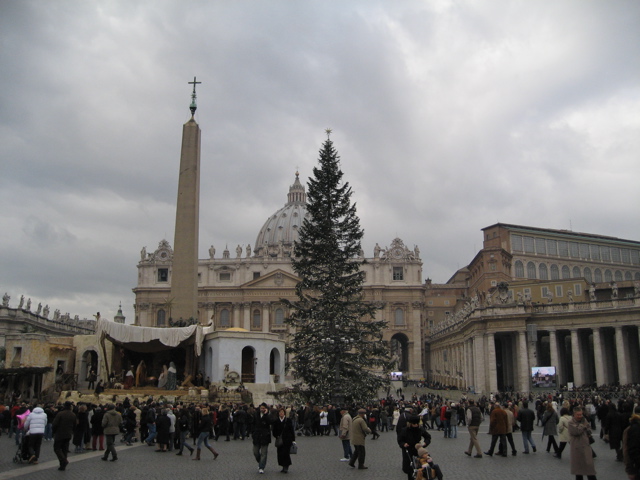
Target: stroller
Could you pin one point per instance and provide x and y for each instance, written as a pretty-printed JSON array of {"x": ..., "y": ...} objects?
[
  {"x": 22, "y": 454},
  {"x": 421, "y": 472}
]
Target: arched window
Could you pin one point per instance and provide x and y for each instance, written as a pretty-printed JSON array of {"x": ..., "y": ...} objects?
[
  {"x": 555, "y": 273},
  {"x": 627, "y": 275},
  {"x": 225, "y": 318},
  {"x": 256, "y": 318},
  {"x": 587, "y": 274},
  {"x": 576, "y": 272},
  {"x": 161, "y": 318},
  {"x": 544, "y": 271},
  {"x": 531, "y": 270},
  {"x": 519, "y": 269},
  {"x": 279, "y": 316},
  {"x": 607, "y": 276},
  {"x": 566, "y": 273},
  {"x": 597, "y": 275},
  {"x": 636, "y": 276},
  {"x": 398, "y": 316},
  {"x": 618, "y": 276}
]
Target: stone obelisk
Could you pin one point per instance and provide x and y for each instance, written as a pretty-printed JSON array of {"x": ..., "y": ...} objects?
[{"x": 184, "y": 275}]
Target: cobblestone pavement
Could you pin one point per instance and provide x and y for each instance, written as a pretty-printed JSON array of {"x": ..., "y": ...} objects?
[{"x": 317, "y": 459}]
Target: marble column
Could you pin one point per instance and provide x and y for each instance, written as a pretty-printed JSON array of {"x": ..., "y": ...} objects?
[
  {"x": 246, "y": 311},
  {"x": 578, "y": 377},
  {"x": 491, "y": 362},
  {"x": 469, "y": 374},
  {"x": 553, "y": 350},
  {"x": 597, "y": 357},
  {"x": 479, "y": 364},
  {"x": 523, "y": 363},
  {"x": 265, "y": 316},
  {"x": 415, "y": 359},
  {"x": 621, "y": 354}
]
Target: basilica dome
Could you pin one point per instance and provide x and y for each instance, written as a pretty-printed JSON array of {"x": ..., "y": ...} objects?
[{"x": 278, "y": 233}]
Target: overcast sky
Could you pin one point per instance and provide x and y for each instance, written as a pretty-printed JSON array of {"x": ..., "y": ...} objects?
[{"x": 449, "y": 116}]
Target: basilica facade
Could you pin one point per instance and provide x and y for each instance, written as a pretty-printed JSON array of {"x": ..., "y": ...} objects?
[
  {"x": 244, "y": 288},
  {"x": 530, "y": 297}
]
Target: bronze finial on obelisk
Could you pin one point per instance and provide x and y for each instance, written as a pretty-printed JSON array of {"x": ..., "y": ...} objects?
[{"x": 193, "y": 107}]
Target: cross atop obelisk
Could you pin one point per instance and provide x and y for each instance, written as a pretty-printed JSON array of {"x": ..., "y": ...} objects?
[{"x": 193, "y": 105}]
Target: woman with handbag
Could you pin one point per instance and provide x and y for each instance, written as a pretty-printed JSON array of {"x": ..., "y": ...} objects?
[
  {"x": 285, "y": 435},
  {"x": 581, "y": 452}
]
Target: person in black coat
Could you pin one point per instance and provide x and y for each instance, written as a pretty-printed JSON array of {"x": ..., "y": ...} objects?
[
  {"x": 285, "y": 435},
  {"x": 130, "y": 423},
  {"x": 97, "y": 432},
  {"x": 408, "y": 438},
  {"x": 183, "y": 426},
  {"x": 262, "y": 436},
  {"x": 163, "y": 427}
]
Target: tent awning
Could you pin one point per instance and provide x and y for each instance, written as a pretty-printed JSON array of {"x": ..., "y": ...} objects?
[{"x": 149, "y": 339}]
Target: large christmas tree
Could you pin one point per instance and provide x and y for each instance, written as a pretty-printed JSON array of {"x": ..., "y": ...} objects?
[{"x": 337, "y": 352}]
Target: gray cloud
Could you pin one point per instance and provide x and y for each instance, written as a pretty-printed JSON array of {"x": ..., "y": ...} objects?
[{"x": 448, "y": 116}]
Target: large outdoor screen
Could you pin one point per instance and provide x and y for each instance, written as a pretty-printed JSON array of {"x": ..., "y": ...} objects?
[
  {"x": 396, "y": 375},
  {"x": 543, "y": 377}
]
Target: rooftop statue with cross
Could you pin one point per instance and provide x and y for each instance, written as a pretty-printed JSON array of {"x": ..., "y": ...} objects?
[{"x": 193, "y": 105}]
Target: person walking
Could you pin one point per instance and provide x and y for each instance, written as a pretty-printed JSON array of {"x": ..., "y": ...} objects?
[
  {"x": 151, "y": 425},
  {"x": 563, "y": 431},
  {"x": 206, "y": 423},
  {"x": 97, "y": 433},
  {"x": 63, "y": 425},
  {"x": 498, "y": 426},
  {"x": 510, "y": 426},
  {"x": 262, "y": 436},
  {"x": 34, "y": 428},
  {"x": 550, "y": 421},
  {"x": 345, "y": 434},
  {"x": 184, "y": 427},
  {"x": 580, "y": 446},
  {"x": 409, "y": 440},
  {"x": 285, "y": 435},
  {"x": 527, "y": 418},
  {"x": 111, "y": 426},
  {"x": 474, "y": 419},
  {"x": 129, "y": 424},
  {"x": 631, "y": 446},
  {"x": 359, "y": 431}
]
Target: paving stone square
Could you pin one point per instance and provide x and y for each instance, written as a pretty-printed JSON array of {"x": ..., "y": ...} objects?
[{"x": 318, "y": 459}]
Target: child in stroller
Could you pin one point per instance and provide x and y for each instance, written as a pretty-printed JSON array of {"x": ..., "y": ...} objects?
[{"x": 426, "y": 469}]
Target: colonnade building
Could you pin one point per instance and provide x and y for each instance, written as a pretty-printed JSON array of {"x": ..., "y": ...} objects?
[{"x": 539, "y": 297}]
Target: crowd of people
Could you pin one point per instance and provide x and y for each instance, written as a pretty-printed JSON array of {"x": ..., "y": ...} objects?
[{"x": 568, "y": 421}]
